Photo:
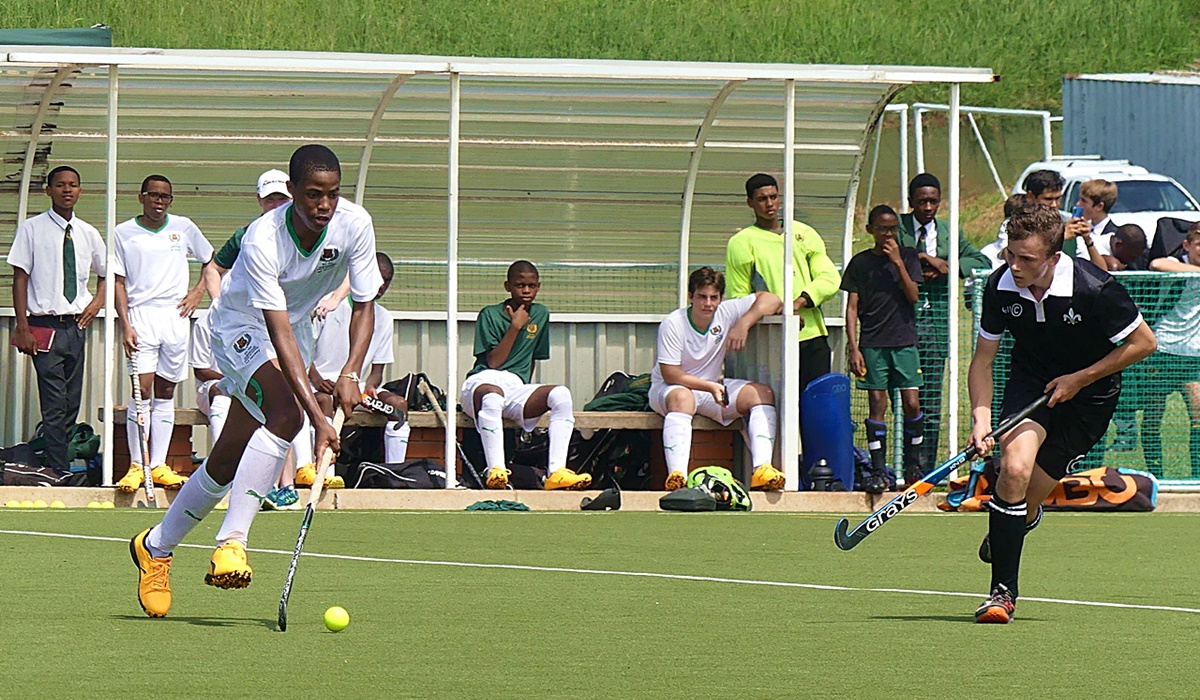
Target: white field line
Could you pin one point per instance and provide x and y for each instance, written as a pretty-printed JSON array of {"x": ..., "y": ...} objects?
[{"x": 636, "y": 574}]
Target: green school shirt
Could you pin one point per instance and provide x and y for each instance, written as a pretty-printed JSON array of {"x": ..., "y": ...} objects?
[
  {"x": 228, "y": 254},
  {"x": 532, "y": 343}
]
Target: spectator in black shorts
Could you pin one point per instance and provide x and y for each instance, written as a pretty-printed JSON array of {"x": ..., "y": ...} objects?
[
  {"x": 1075, "y": 328},
  {"x": 882, "y": 295}
]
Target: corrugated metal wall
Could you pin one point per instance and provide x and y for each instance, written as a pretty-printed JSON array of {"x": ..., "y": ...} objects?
[
  {"x": 582, "y": 354},
  {"x": 1152, "y": 124}
]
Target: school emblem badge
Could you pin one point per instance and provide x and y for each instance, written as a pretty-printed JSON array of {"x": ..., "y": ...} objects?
[
  {"x": 715, "y": 330},
  {"x": 329, "y": 258},
  {"x": 1071, "y": 317},
  {"x": 531, "y": 331},
  {"x": 242, "y": 342}
]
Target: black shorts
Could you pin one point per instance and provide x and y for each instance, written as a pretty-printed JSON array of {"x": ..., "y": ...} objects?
[{"x": 1072, "y": 428}]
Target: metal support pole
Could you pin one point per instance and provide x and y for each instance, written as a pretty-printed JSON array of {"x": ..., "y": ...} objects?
[
  {"x": 789, "y": 410},
  {"x": 35, "y": 133},
  {"x": 987, "y": 156},
  {"x": 110, "y": 225},
  {"x": 953, "y": 282},
  {"x": 1047, "y": 141},
  {"x": 451, "y": 426},
  {"x": 875, "y": 159},
  {"x": 904, "y": 178},
  {"x": 919, "y": 138},
  {"x": 364, "y": 161},
  {"x": 689, "y": 185}
]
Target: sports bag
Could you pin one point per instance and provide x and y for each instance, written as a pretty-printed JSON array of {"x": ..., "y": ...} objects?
[
  {"x": 727, "y": 491},
  {"x": 410, "y": 474},
  {"x": 408, "y": 387},
  {"x": 1100, "y": 489}
]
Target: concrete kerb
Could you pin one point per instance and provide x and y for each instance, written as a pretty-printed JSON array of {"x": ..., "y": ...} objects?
[{"x": 372, "y": 499}]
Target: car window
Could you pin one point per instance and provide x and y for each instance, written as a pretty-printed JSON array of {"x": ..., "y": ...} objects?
[
  {"x": 1150, "y": 195},
  {"x": 1070, "y": 197}
]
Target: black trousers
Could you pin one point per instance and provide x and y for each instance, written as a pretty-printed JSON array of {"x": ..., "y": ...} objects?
[
  {"x": 814, "y": 361},
  {"x": 60, "y": 384}
]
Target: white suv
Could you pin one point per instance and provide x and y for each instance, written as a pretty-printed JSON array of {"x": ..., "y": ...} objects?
[{"x": 1142, "y": 197}]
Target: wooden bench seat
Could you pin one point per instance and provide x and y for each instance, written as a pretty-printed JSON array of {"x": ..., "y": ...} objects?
[{"x": 584, "y": 420}]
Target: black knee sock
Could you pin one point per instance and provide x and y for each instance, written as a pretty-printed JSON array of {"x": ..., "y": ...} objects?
[
  {"x": 914, "y": 437},
  {"x": 1194, "y": 448},
  {"x": 1006, "y": 531},
  {"x": 877, "y": 445}
]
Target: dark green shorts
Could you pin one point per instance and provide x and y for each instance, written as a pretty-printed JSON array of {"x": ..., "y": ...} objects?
[{"x": 891, "y": 368}]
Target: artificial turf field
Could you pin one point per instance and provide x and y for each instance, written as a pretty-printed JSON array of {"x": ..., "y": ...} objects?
[{"x": 422, "y": 628}]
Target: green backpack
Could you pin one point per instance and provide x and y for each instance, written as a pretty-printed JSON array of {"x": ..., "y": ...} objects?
[
  {"x": 83, "y": 442},
  {"x": 727, "y": 491}
]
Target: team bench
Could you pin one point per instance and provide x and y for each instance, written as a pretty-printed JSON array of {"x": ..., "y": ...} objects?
[{"x": 584, "y": 420}]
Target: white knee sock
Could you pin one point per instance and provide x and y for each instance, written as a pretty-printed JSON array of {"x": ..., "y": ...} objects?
[
  {"x": 218, "y": 411},
  {"x": 489, "y": 422},
  {"x": 761, "y": 425},
  {"x": 562, "y": 424},
  {"x": 162, "y": 425},
  {"x": 256, "y": 474},
  {"x": 677, "y": 441},
  {"x": 302, "y": 444},
  {"x": 395, "y": 441},
  {"x": 195, "y": 500},
  {"x": 131, "y": 429}
]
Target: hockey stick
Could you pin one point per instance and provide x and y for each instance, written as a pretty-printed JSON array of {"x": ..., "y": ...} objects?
[
  {"x": 847, "y": 540},
  {"x": 423, "y": 387},
  {"x": 143, "y": 431},
  {"x": 314, "y": 495}
]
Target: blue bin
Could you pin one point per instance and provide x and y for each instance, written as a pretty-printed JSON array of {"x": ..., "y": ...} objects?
[{"x": 827, "y": 431}]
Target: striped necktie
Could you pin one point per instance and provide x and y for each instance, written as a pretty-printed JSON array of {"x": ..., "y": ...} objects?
[{"x": 70, "y": 284}]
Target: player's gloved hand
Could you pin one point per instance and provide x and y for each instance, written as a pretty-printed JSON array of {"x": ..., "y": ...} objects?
[
  {"x": 326, "y": 437},
  {"x": 1065, "y": 388}
]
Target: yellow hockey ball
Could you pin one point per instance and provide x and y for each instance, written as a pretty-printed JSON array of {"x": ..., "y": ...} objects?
[{"x": 336, "y": 619}]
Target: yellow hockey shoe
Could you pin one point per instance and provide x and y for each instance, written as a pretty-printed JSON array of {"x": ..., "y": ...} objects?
[
  {"x": 132, "y": 481},
  {"x": 228, "y": 568},
  {"x": 497, "y": 478},
  {"x": 566, "y": 479},
  {"x": 154, "y": 577},
  {"x": 767, "y": 478},
  {"x": 675, "y": 481},
  {"x": 166, "y": 477}
]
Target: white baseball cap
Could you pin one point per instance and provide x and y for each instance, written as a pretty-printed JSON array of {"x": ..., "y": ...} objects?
[{"x": 271, "y": 182}]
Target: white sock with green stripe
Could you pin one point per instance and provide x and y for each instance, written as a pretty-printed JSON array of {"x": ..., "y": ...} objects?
[
  {"x": 194, "y": 501},
  {"x": 677, "y": 441},
  {"x": 761, "y": 426},
  {"x": 489, "y": 421},
  {"x": 256, "y": 475},
  {"x": 562, "y": 424},
  {"x": 395, "y": 441},
  {"x": 162, "y": 425}
]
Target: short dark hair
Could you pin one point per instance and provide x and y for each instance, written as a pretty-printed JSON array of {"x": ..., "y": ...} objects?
[
  {"x": 759, "y": 181},
  {"x": 521, "y": 267},
  {"x": 706, "y": 277},
  {"x": 1011, "y": 204},
  {"x": 154, "y": 178},
  {"x": 385, "y": 262},
  {"x": 1193, "y": 233},
  {"x": 880, "y": 210},
  {"x": 310, "y": 159},
  {"x": 1033, "y": 220},
  {"x": 1039, "y": 181},
  {"x": 924, "y": 180},
  {"x": 61, "y": 169}
]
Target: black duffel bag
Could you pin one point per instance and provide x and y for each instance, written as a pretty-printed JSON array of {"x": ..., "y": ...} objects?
[{"x": 412, "y": 474}]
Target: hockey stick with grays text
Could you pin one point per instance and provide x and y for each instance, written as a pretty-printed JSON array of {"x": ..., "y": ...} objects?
[
  {"x": 847, "y": 540},
  {"x": 314, "y": 495},
  {"x": 143, "y": 422}
]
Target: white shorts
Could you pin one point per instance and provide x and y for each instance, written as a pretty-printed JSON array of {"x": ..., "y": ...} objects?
[
  {"x": 516, "y": 394},
  {"x": 162, "y": 341},
  {"x": 241, "y": 345},
  {"x": 706, "y": 405},
  {"x": 203, "y": 395}
]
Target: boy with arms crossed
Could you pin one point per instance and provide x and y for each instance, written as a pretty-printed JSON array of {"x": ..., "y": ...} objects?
[
  {"x": 883, "y": 294},
  {"x": 154, "y": 304},
  {"x": 262, "y": 341},
  {"x": 687, "y": 377},
  {"x": 1075, "y": 328},
  {"x": 509, "y": 338}
]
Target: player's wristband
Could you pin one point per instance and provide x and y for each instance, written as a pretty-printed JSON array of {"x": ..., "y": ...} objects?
[{"x": 352, "y": 376}]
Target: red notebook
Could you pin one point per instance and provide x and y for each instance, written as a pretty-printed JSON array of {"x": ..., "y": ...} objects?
[{"x": 43, "y": 338}]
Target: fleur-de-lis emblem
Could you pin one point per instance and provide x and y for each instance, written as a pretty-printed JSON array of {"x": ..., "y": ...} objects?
[{"x": 1071, "y": 317}]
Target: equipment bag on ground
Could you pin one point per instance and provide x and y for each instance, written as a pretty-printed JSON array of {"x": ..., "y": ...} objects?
[
  {"x": 1100, "y": 489},
  {"x": 411, "y": 474}
]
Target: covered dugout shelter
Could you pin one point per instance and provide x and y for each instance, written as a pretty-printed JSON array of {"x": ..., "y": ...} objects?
[{"x": 615, "y": 177}]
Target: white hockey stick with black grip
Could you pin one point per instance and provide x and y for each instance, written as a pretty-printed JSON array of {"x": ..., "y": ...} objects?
[
  {"x": 143, "y": 421},
  {"x": 437, "y": 409},
  {"x": 314, "y": 495},
  {"x": 847, "y": 540}
]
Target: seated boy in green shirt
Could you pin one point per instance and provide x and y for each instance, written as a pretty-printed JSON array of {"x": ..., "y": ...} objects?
[{"x": 509, "y": 338}]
